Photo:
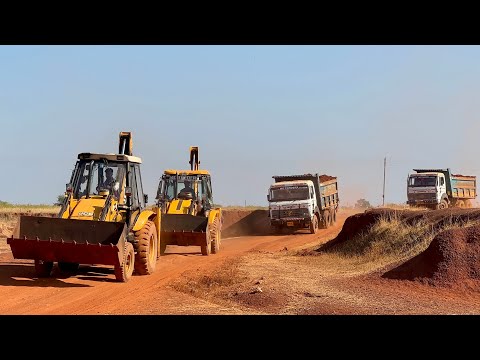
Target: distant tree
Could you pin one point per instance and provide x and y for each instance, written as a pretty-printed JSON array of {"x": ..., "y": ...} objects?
[
  {"x": 362, "y": 204},
  {"x": 60, "y": 199},
  {"x": 4, "y": 203}
]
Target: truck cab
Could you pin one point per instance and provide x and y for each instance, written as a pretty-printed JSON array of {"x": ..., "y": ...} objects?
[
  {"x": 292, "y": 204},
  {"x": 427, "y": 189}
]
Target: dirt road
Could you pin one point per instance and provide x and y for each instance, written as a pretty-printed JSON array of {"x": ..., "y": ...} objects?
[
  {"x": 250, "y": 275},
  {"x": 94, "y": 290}
]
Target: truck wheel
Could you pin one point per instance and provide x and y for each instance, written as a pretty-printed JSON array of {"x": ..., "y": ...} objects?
[
  {"x": 334, "y": 216},
  {"x": 459, "y": 204},
  {"x": 443, "y": 205},
  {"x": 43, "y": 268},
  {"x": 124, "y": 272},
  {"x": 468, "y": 204},
  {"x": 146, "y": 246},
  {"x": 314, "y": 224},
  {"x": 328, "y": 218}
]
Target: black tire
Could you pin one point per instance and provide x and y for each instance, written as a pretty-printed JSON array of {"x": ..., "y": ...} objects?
[
  {"x": 314, "y": 224},
  {"x": 124, "y": 272},
  {"x": 207, "y": 247},
  {"x": 443, "y": 205},
  {"x": 215, "y": 234},
  {"x": 43, "y": 268},
  {"x": 328, "y": 218},
  {"x": 68, "y": 267},
  {"x": 146, "y": 247},
  {"x": 324, "y": 220}
]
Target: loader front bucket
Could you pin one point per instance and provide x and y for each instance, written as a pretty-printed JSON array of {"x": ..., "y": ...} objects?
[
  {"x": 183, "y": 229},
  {"x": 67, "y": 240}
]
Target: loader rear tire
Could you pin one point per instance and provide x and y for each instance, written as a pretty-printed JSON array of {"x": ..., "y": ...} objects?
[
  {"x": 215, "y": 235},
  {"x": 43, "y": 268},
  {"x": 124, "y": 272},
  {"x": 146, "y": 247}
]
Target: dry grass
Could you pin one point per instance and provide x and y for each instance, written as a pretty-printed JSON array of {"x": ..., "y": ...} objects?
[
  {"x": 391, "y": 240},
  {"x": 30, "y": 209},
  {"x": 213, "y": 284}
]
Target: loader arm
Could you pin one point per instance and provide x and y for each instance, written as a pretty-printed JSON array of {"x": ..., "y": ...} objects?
[{"x": 194, "y": 162}]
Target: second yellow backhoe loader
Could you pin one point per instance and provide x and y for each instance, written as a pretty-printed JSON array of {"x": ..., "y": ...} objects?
[
  {"x": 103, "y": 220},
  {"x": 189, "y": 216}
]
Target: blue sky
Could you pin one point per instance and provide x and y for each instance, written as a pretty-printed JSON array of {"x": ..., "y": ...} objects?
[{"x": 254, "y": 111}]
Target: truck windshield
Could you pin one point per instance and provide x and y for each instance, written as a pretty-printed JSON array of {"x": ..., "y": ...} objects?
[
  {"x": 416, "y": 181},
  {"x": 290, "y": 193}
]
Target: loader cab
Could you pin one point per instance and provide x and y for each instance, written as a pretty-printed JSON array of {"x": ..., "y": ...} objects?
[
  {"x": 104, "y": 179},
  {"x": 97, "y": 178},
  {"x": 173, "y": 186}
]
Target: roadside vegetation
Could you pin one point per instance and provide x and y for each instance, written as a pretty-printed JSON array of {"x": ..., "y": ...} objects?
[{"x": 391, "y": 239}]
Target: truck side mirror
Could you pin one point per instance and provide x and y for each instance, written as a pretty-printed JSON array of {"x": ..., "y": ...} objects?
[
  {"x": 268, "y": 197},
  {"x": 145, "y": 198}
]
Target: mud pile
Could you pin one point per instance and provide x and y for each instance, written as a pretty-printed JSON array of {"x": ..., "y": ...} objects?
[
  {"x": 361, "y": 223},
  {"x": 245, "y": 222},
  {"x": 451, "y": 260}
]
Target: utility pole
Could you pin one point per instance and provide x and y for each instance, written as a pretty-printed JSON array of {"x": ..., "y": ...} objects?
[{"x": 384, "y": 167}]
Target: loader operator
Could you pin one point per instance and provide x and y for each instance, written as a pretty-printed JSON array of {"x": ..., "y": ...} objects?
[
  {"x": 187, "y": 189},
  {"x": 108, "y": 182}
]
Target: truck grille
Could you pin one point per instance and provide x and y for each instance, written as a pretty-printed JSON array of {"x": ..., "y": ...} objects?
[
  {"x": 276, "y": 214},
  {"x": 423, "y": 196}
]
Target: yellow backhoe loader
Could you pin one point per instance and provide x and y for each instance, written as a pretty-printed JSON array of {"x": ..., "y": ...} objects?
[
  {"x": 103, "y": 220},
  {"x": 189, "y": 217}
]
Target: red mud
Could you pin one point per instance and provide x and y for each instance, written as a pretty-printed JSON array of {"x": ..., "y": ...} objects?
[
  {"x": 451, "y": 260},
  {"x": 360, "y": 223}
]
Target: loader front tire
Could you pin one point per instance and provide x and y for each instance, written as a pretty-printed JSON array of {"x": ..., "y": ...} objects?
[
  {"x": 146, "y": 246},
  {"x": 215, "y": 234},
  {"x": 43, "y": 268},
  {"x": 207, "y": 247},
  {"x": 124, "y": 272}
]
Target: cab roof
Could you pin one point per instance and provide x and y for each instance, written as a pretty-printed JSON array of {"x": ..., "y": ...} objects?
[
  {"x": 110, "y": 157},
  {"x": 186, "y": 172}
]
